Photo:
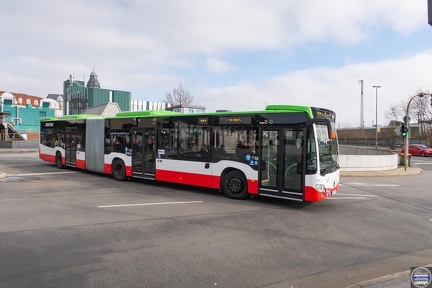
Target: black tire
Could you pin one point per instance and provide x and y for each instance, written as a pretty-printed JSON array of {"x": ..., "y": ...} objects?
[
  {"x": 234, "y": 185},
  {"x": 118, "y": 170},
  {"x": 59, "y": 160},
  {"x": 422, "y": 154}
]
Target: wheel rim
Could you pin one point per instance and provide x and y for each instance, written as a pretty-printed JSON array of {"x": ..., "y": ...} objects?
[
  {"x": 235, "y": 185},
  {"x": 118, "y": 170}
]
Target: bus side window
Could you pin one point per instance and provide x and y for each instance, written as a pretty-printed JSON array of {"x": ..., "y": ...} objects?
[
  {"x": 107, "y": 148},
  {"x": 221, "y": 153},
  {"x": 119, "y": 144}
]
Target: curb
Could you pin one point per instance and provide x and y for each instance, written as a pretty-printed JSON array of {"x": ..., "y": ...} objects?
[
  {"x": 385, "y": 280},
  {"x": 400, "y": 171},
  {"x": 17, "y": 151}
]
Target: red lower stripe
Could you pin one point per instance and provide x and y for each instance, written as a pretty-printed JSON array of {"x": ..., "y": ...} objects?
[
  {"x": 47, "y": 157},
  {"x": 80, "y": 164},
  {"x": 188, "y": 178},
  {"x": 313, "y": 195}
]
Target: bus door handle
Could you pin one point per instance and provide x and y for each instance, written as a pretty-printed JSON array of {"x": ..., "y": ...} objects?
[{"x": 207, "y": 165}]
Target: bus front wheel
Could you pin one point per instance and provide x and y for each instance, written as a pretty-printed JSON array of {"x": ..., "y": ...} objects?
[
  {"x": 59, "y": 161},
  {"x": 118, "y": 170},
  {"x": 234, "y": 185}
]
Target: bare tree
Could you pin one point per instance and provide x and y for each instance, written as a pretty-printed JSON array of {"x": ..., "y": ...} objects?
[
  {"x": 395, "y": 113},
  {"x": 390, "y": 137},
  {"x": 420, "y": 112},
  {"x": 179, "y": 96}
]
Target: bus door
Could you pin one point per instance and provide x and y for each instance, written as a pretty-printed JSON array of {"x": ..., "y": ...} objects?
[
  {"x": 281, "y": 171},
  {"x": 70, "y": 145},
  {"x": 143, "y": 153}
]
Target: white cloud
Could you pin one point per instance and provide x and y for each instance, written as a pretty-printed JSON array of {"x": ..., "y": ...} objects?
[
  {"x": 333, "y": 88},
  {"x": 218, "y": 66},
  {"x": 148, "y": 47}
]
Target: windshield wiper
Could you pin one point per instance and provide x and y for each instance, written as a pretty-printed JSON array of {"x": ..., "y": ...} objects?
[{"x": 331, "y": 168}]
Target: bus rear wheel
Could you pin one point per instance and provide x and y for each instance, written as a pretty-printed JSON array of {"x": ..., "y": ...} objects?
[
  {"x": 118, "y": 170},
  {"x": 59, "y": 160},
  {"x": 234, "y": 185}
]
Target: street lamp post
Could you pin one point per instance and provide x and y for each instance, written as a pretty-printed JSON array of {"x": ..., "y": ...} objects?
[
  {"x": 376, "y": 115},
  {"x": 407, "y": 126}
]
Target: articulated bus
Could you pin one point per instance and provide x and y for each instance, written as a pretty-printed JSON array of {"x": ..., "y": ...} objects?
[{"x": 284, "y": 151}]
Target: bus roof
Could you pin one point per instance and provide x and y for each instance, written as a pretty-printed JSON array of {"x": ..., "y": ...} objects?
[
  {"x": 127, "y": 114},
  {"x": 155, "y": 113},
  {"x": 269, "y": 109},
  {"x": 290, "y": 108},
  {"x": 71, "y": 117}
]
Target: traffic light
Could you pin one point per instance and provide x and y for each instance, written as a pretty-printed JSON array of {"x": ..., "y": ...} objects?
[{"x": 404, "y": 130}]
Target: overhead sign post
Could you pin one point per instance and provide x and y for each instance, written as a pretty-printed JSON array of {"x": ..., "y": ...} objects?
[{"x": 430, "y": 12}]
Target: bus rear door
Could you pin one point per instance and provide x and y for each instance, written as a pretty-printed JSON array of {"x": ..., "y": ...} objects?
[
  {"x": 143, "y": 153},
  {"x": 70, "y": 146},
  {"x": 281, "y": 155}
]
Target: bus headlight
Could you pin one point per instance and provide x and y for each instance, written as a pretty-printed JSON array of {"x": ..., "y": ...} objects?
[{"x": 320, "y": 187}]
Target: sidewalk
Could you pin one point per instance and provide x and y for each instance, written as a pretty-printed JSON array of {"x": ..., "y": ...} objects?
[
  {"x": 399, "y": 171},
  {"x": 397, "y": 280},
  {"x": 18, "y": 150}
]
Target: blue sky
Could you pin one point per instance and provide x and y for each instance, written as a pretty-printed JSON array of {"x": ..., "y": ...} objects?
[{"x": 238, "y": 55}]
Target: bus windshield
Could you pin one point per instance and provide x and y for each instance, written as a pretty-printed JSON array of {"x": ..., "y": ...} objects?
[{"x": 328, "y": 150}]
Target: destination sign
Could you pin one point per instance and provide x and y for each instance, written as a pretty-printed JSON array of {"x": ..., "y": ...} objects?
[
  {"x": 203, "y": 120},
  {"x": 235, "y": 120}
]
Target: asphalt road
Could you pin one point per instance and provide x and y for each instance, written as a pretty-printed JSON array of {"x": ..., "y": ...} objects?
[
  {"x": 70, "y": 228},
  {"x": 423, "y": 162}
]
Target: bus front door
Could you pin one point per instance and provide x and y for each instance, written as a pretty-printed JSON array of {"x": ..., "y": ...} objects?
[
  {"x": 70, "y": 145},
  {"x": 281, "y": 173},
  {"x": 143, "y": 153}
]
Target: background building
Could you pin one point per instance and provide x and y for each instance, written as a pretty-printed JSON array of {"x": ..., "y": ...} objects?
[
  {"x": 141, "y": 105},
  {"x": 187, "y": 109},
  {"x": 80, "y": 97},
  {"x": 20, "y": 114}
]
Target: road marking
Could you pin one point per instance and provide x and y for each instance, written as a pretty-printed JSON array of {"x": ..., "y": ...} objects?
[
  {"x": 39, "y": 174},
  {"x": 148, "y": 204},
  {"x": 370, "y": 185},
  {"x": 341, "y": 198},
  {"x": 359, "y": 195}
]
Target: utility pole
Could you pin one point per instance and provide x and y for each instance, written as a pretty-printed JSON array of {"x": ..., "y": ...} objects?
[
  {"x": 376, "y": 115},
  {"x": 361, "y": 105}
]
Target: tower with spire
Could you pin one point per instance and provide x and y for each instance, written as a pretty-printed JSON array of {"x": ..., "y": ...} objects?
[{"x": 93, "y": 81}]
